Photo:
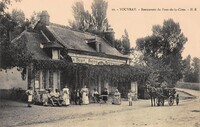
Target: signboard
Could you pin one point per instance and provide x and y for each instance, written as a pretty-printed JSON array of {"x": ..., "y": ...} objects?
[{"x": 95, "y": 60}]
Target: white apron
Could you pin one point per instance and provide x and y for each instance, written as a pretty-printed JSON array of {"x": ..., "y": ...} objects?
[
  {"x": 85, "y": 98},
  {"x": 66, "y": 96}
]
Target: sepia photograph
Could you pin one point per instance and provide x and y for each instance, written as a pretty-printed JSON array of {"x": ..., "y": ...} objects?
[{"x": 99, "y": 63}]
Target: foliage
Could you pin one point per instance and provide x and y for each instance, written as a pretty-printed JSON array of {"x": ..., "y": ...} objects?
[
  {"x": 18, "y": 16},
  {"x": 188, "y": 85},
  {"x": 35, "y": 17},
  {"x": 123, "y": 45},
  {"x": 136, "y": 57},
  {"x": 79, "y": 16},
  {"x": 95, "y": 22},
  {"x": 16, "y": 54},
  {"x": 164, "y": 47},
  {"x": 191, "y": 69},
  {"x": 99, "y": 12},
  {"x": 107, "y": 72}
]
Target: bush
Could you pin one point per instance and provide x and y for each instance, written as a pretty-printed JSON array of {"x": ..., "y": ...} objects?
[
  {"x": 188, "y": 85},
  {"x": 18, "y": 94}
]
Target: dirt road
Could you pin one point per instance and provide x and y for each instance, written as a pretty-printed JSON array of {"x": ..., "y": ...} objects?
[{"x": 187, "y": 114}]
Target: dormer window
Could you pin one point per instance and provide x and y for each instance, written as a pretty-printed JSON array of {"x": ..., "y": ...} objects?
[
  {"x": 94, "y": 44},
  {"x": 55, "y": 54},
  {"x": 53, "y": 50}
]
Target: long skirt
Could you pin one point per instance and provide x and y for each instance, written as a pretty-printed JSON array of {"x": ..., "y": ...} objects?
[
  {"x": 116, "y": 100},
  {"x": 66, "y": 99},
  {"x": 85, "y": 98},
  {"x": 30, "y": 98}
]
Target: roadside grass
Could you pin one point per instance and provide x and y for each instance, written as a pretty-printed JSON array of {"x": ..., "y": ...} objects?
[{"x": 188, "y": 85}]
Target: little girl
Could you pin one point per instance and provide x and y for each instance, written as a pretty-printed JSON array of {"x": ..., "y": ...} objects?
[
  {"x": 29, "y": 93},
  {"x": 130, "y": 97}
]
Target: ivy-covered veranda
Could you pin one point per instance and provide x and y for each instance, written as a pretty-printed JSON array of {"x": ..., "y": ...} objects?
[{"x": 76, "y": 75}]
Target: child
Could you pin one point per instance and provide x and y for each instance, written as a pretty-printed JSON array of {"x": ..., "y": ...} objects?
[
  {"x": 29, "y": 93},
  {"x": 78, "y": 97},
  {"x": 130, "y": 97},
  {"x": 45, "y": 98},
  {"x": 177, "y": 99},
  {"x": 95, "y": 95}
]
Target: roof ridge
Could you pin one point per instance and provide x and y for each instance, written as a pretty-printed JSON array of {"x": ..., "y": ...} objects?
[
  {"x": 19, "y": 36},
  {"x": 59, "y": 25},
  {"x": 69, "y": 28}
]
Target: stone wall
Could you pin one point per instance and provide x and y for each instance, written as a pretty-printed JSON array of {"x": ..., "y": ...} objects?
[{"x": 10, "y": 81}]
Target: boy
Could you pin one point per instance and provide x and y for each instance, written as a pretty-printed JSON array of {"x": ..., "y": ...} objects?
[{"x": 29, "y": 93}]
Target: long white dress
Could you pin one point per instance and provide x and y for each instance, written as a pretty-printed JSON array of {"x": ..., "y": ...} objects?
[
  {"x": 117, "y": 98},
  {"x": 85, "y": 98},
  {"x": 66, "y": 96}
]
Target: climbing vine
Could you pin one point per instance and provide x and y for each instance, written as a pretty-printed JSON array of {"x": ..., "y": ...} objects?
[{"x": 20, "y": 57}]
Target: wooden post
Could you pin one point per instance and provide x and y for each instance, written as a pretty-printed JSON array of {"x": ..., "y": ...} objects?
[
  {"x": 99, "y": 83},
  {"x": 47, "y": 79},
  {"x": 40, "y": 80},
  {"x": 58, "y": 80},
  {"x": 55, "y": 80}
]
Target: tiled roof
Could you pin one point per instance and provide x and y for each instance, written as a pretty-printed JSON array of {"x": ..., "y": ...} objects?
[
  {"x": 33, "y": 41},
  {"x": 76, "y": 40}
]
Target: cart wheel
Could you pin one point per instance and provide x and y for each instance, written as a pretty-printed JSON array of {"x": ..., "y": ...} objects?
[{"x": 171, "y": 101}]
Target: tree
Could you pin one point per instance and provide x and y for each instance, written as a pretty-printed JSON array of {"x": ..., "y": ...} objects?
[
  {"x": 18, "y": 16},
  {"x": 187, "y": 71},
  {"x": 35, "y": 17},
  {"x": 80, "y": 16},
  {"x": 136, "y": 57},
  {"x": 7, "y": 25},
  {"x": 83, "y": 20},
  {"x": 125, "y": 42},
  {"x": 99, "y": 12},
  {"x": 164, "y": 46},
  {"x": 191, "y": 68},
  {"x": 195, "y": 69}
]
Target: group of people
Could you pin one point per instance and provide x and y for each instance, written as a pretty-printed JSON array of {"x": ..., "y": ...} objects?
[
  {"x": 116, "y": 96},
  {"x": 64, "y": 97}
]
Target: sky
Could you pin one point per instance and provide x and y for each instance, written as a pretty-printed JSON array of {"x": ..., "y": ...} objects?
[{"x": 137, "y": 22}]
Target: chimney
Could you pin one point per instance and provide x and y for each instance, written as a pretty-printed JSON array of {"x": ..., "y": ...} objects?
[
  {"x": 110, "y": 36},
  {"x": 44, "y": 18}
]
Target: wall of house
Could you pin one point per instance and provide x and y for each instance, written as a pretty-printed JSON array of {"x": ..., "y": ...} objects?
[
  {"x": 12, "y": 78},
  {"x": 10, "y": 83}
]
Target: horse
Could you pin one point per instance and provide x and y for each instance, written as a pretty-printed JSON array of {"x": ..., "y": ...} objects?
[
  {"x": 152, "y": 93},
  {"x": 157, "y": 95}
]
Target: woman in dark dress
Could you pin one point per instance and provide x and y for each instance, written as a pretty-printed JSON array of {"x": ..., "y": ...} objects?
[{"x": 104, "y": 95}]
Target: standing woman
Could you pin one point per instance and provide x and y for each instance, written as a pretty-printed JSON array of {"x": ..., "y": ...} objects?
[
  {"x": 104, "y": 95},
  {"x": 85, "y": 92},
  {"x": 66, "y": 96},
  {"x": 29, "y": 93},
  {"x": 117, "y": 98}
]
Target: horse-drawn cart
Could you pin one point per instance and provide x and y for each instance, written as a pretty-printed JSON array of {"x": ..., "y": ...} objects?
[
  {"x": 159, "y": 95},
  {"x": 165, "y": 94}
]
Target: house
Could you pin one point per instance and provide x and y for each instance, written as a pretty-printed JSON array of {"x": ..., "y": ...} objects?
[{"x": 51, "y": 43}]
